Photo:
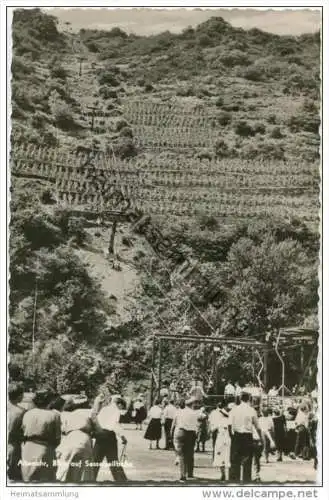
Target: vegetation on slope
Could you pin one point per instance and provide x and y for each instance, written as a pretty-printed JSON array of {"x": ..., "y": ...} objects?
[{"x": 254, "y": 278}]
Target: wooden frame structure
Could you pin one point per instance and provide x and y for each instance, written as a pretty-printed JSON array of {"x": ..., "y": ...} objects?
[
  {"x": 292, "y": 338},
  {"x": 261, "y": 348}
]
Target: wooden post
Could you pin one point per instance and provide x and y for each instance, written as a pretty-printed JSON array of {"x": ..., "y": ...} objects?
[
  {"x": 152, "y": 373},
  {"x": 34, "y": 323},
  {"x": 93, "y": 109},
  {"x": 253, "y": 364},
  {"x": 205, "y": 364},
  {"x": 214, "y": 370},
  {"x": 160, "y": 366},
  {"x": 265, "y": 380},
  {"x": 111, "y": 243},
  {"x": 80, "y": 65},
  {"x": 302, "y": 357}
]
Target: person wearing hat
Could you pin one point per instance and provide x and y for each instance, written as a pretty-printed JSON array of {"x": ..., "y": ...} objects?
[
  {"x": 186, "y": 425},
  {"x": 243, "y": 420},
  {"x": 107, "y": 429},
  {"x": 41, "y": 436},
  {"x": 15, "y": 432}
]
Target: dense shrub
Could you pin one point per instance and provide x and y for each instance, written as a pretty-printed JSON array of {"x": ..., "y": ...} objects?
[
  {"x": 108, "y": 78},
  {"x": 265, "y": 150},
  {"x": 125, "y": 148},
  {"x": 304, "y": 122},
  {"x": 120, "y": 124},
  {"x": 224, "y": 118},
  {"x": 272, "y": 119},
  {"x": 49, "y": 139},
  {"x": 208, "y": 222},
  {"x": 126, "y": 132},
  {"x": 219, "y": 102},
  {"x": 204, "y": 154},
  {"x": 58, "y": 72},
  {"x": 253, "y": 74},
  {"x": 221, "y": 149},
  {"x": 204, "y": 40},
  {"x": 276, "y": 133},
  {"x": 259, "y": 128},
  {"x": 39, "y": 120},
  {"x": 185, "y": 91},
  {"x": 107, "y": 93},
  {"x": 235, "y": 58},
  {"x": 244, "y": 129},
  {"x": 20, "y": 67},
  {"x": 64, "y": 119},
  {"x": 148, "y": 87},
  {"x": 92, "y": 46}
]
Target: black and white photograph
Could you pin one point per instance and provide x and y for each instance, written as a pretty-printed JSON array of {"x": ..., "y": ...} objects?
[{"x": 164, "y": 240}]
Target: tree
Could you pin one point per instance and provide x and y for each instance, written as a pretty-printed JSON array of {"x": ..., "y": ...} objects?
[{"x": 268, "y": 286}]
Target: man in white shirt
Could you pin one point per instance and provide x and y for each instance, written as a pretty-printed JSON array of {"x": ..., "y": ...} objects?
[
  {"x": 169, "y": 414},
  {"x": 237, "y": 391},
  {"x": 186, "y": 424},
  {"x": 242, "y": 420},
  {"x": 229, "y": 391},
  {"x": 108, "y": 427}
]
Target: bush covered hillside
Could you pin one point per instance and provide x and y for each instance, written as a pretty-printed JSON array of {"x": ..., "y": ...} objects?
[{"x": 133, "y": 155}]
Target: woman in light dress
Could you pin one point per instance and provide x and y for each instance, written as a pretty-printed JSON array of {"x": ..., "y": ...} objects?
[
  {"x": 41, "y": 435},
  {"x": 75, "y": 453},
  {"x": 223, "y": 441}
]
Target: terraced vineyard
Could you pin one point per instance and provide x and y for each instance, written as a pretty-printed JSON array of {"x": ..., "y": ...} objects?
[
  {"x": 190, "y": 155},
  {"x": 188, "y": 188}
]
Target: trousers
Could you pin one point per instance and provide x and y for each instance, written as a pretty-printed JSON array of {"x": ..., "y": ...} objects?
[
  {"x": 241, "y": 456},
  {"x": 185, "y": 442},
  {"x": 106, "y": 446}
]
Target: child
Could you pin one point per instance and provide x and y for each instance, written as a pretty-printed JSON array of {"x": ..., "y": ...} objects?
[
  {"x": 280, "y": 431},
  {"x": 266, "y": 425}
]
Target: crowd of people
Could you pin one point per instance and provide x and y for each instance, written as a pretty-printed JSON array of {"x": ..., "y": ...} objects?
[
  {"x": 62, "y": 439},
  {"x": 243, "y": 429},
  {"x": 53, "y": 438}
]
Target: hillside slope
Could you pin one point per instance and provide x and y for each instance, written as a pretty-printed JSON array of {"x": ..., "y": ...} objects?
[{"x": 204, "y": 148}]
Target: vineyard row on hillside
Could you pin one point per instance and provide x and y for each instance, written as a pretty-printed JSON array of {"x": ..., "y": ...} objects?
[
  {"x": 218, "y": 208},
  {"x": 24, "y": 155},
  {"x": 84, "y": 176}
]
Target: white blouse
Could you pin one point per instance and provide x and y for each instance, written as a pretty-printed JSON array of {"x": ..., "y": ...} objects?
[{"x": 155, "y": 412}]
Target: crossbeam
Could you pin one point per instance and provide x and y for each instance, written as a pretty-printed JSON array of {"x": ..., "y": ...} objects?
[{"x": 213, "y": 340}]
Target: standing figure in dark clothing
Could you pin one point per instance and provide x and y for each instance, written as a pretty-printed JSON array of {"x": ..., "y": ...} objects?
[
  {"x": 280, "y": 430},
  {"x": 139, "y": 412},
  {"x": 169, "y": 414},
  {"x": 313, "y": 426},
  {"x": 202, "y": 432},
  {"x": 15, "y": 431},
  {"x": 243, "y": 421}
]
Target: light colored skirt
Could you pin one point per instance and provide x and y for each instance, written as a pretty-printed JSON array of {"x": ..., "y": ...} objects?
[
  {"x": 222, "y": 449},
  {"x": 74, "y": 455},
  {"x": 38, "y": 462}
]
